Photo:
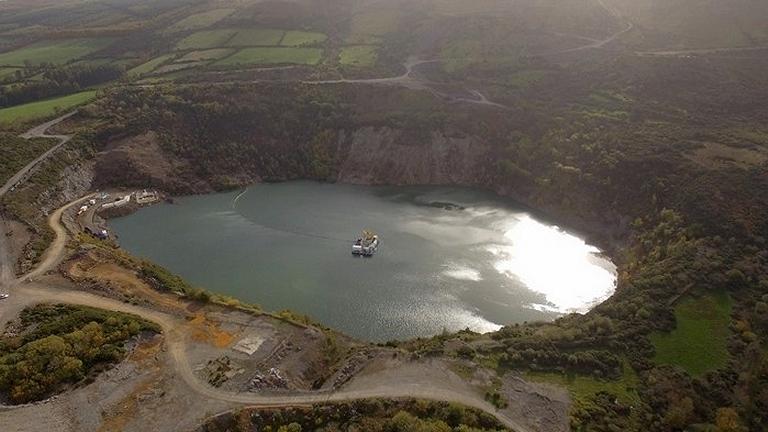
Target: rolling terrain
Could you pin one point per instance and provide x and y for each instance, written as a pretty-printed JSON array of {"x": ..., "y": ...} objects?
[{"x": 639, "y": 123}]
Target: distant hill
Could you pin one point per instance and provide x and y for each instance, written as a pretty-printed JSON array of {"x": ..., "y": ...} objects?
[{"x": 698, "y": 23}]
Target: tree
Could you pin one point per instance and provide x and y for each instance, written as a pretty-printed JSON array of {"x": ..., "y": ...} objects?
[
  {"x": 679, "y": 413},
  {"x": 727, "y": 420},
  {"x": 293, "y": 427}
]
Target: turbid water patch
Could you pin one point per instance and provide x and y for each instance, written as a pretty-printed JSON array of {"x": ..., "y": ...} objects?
[{"x": 450, "y": 258}]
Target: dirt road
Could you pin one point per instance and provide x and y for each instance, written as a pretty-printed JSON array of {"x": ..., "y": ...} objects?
[
  {"x": 6, "y": 266},
  {"x": 699, "y": 51},
  {"x": 593, "y": 43},
  {"x": 37, "y": 132},
  {"x": 27, "y": 293}
]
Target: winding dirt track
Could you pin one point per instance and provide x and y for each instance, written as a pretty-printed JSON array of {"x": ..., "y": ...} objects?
[
  {"x": 32, "y": 289},
  {"x": 41, "y": 131},
  {"x": 28, "y": 291},
  {"x": 37, "y": 132}
]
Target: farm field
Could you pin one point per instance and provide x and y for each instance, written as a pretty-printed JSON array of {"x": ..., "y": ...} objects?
[
  {"x": 298, "y": 38},
  {"x": 176, "y": 67},
  {"x": 57, "y": 52},
  {"x": 698, "y": 344},
  {"x": 200, "y": 20},
  {"x": 149, "y": 66},
  {"x": 44, "y": 108},
  {"x": 7, "y": 72},
  {"x": 203, "y": 55},
  {"x": 359, "y": 55},
  {"x": 251, "y": 37},
  {"x": 206, "y": 39},
  {"x": 273, "y": 55}
]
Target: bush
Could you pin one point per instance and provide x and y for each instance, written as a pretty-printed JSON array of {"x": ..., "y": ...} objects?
[{"x": 62, "y": 345}]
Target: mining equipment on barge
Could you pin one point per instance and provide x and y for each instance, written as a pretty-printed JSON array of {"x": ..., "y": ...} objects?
[{"x": 366, "y": 245}]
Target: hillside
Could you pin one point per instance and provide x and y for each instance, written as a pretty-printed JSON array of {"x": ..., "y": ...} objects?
[{"x": 639, "y": 123}]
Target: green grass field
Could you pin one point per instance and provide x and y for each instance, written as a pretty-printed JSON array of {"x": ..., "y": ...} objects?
[
  {"x": 369, "y": 24},
  {"x": 252, "y": 37},
  {"x": 298, "y": 38},
  {"x": 206, "y": 39},
  {"x": 582, "y": 388},
  {"x": 149, "y": 66},
  {"x": 358, "y": 55},
  {"x": 200, "y": 20},
  {"x": 57, "y": 52},
  {"x": 44, "y": 108},
  {"x": 7, "y": 72},
  {"x": 204, "y": 55},
  {"x": 698, "y": 344},
  {"x": 273, "y": 55}
]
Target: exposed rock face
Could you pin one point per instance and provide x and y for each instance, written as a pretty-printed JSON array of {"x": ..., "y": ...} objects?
[
  {"x": 367, "y": 155},
  {"x": 140, "y": 161},
  {"x": 383, "y": 156},
  {"x": 364, "y": 156}
]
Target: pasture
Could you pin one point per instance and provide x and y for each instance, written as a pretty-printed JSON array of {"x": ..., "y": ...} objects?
[
  {"x": 149, "y": 66},
  {"x": 699, "y": 343},
  {"x": 53, "y": 51},
  {"x": 298, "y": 38},
  {"x": 205, "y": 55},
  {"x": 256, "y": 37},
  {"x": 206, "y": 39},
  {"x": 200, "y": 20},
  {"x": 44, "y": 108},
  {"x": 359, "y": 56},
  {"x": 273, "y": 55}
]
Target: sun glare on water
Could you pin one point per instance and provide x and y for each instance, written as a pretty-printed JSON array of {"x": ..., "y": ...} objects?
[{"x": 558, "y": 265}]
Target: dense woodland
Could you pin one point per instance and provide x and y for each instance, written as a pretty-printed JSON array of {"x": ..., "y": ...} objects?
[
  {"x": 53, "y": 346},
  {"x": 365, "y": 415},
  {"x": 50, "y": 81}
]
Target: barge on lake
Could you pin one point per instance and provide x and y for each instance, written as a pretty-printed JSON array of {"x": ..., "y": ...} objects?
[{"x": 366, "y": 245}]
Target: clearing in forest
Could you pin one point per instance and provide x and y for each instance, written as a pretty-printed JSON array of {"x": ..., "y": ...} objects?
[{"x": 698, "y": 344}]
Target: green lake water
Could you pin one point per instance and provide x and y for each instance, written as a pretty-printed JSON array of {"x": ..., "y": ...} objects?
[{"x": 450, "y": 258}]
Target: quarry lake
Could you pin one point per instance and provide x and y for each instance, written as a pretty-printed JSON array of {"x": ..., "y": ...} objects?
[{"x": 450, "y": 258}]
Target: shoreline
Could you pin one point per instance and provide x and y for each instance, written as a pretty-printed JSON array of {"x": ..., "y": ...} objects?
[{"x": 485, "y": 196}]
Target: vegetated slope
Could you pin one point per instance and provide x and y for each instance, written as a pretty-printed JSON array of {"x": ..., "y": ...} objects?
[
  {"x": 55, "y": 345},
  {"x": 626, "y": 159},
  {"x": 365, "y": 415},
  {"x": 17, "y": 153},
  {"x": 663, "y": 158},
  {"x": 698, "y": 23}
]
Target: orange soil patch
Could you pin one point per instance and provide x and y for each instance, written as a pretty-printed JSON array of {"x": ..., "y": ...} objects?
[
  {"x": 205, "y": 330},
  {"x": 128, "y": 407},
  {"x": 122, "y": 278},
  {"x": 146, "y": 350}
]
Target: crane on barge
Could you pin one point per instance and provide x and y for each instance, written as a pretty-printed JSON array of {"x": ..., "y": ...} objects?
[{"x": 366, "y": 245}]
